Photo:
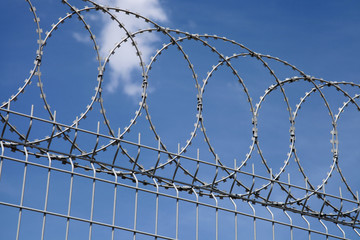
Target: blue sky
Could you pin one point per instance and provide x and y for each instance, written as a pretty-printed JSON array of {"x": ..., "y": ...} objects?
[{"x": 321, "y": 38}]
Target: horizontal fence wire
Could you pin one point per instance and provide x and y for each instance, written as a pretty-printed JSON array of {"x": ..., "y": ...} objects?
[{"x": 152, "y": 191}]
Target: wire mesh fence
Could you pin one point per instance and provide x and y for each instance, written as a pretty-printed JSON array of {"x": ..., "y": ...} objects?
[{"x": 86, "y": 180}]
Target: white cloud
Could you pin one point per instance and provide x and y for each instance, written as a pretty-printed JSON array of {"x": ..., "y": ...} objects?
[
  {"x": 82, "y": 38},
  {"x": 91, "y": 16},
  {"x": 125, "y": 61}
]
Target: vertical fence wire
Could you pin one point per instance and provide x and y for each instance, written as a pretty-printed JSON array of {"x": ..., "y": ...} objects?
[
  {"x": 69, "y": 200},
  {"x": 22, "y": 194},
  {"x": 114, "y": 204},
  {"x": 46, "y": 198}
]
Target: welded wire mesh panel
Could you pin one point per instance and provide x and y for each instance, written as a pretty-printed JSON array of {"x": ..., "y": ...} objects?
[{"x": 268, "y": 171}]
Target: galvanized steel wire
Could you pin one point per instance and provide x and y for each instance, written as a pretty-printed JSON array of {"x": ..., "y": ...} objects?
[{"x": 18, "y": 147}]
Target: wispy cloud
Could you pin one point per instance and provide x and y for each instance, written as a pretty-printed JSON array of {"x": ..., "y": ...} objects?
[
  {"x": 81, "y": 38},
  {"x": 125, "y": 61}
]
